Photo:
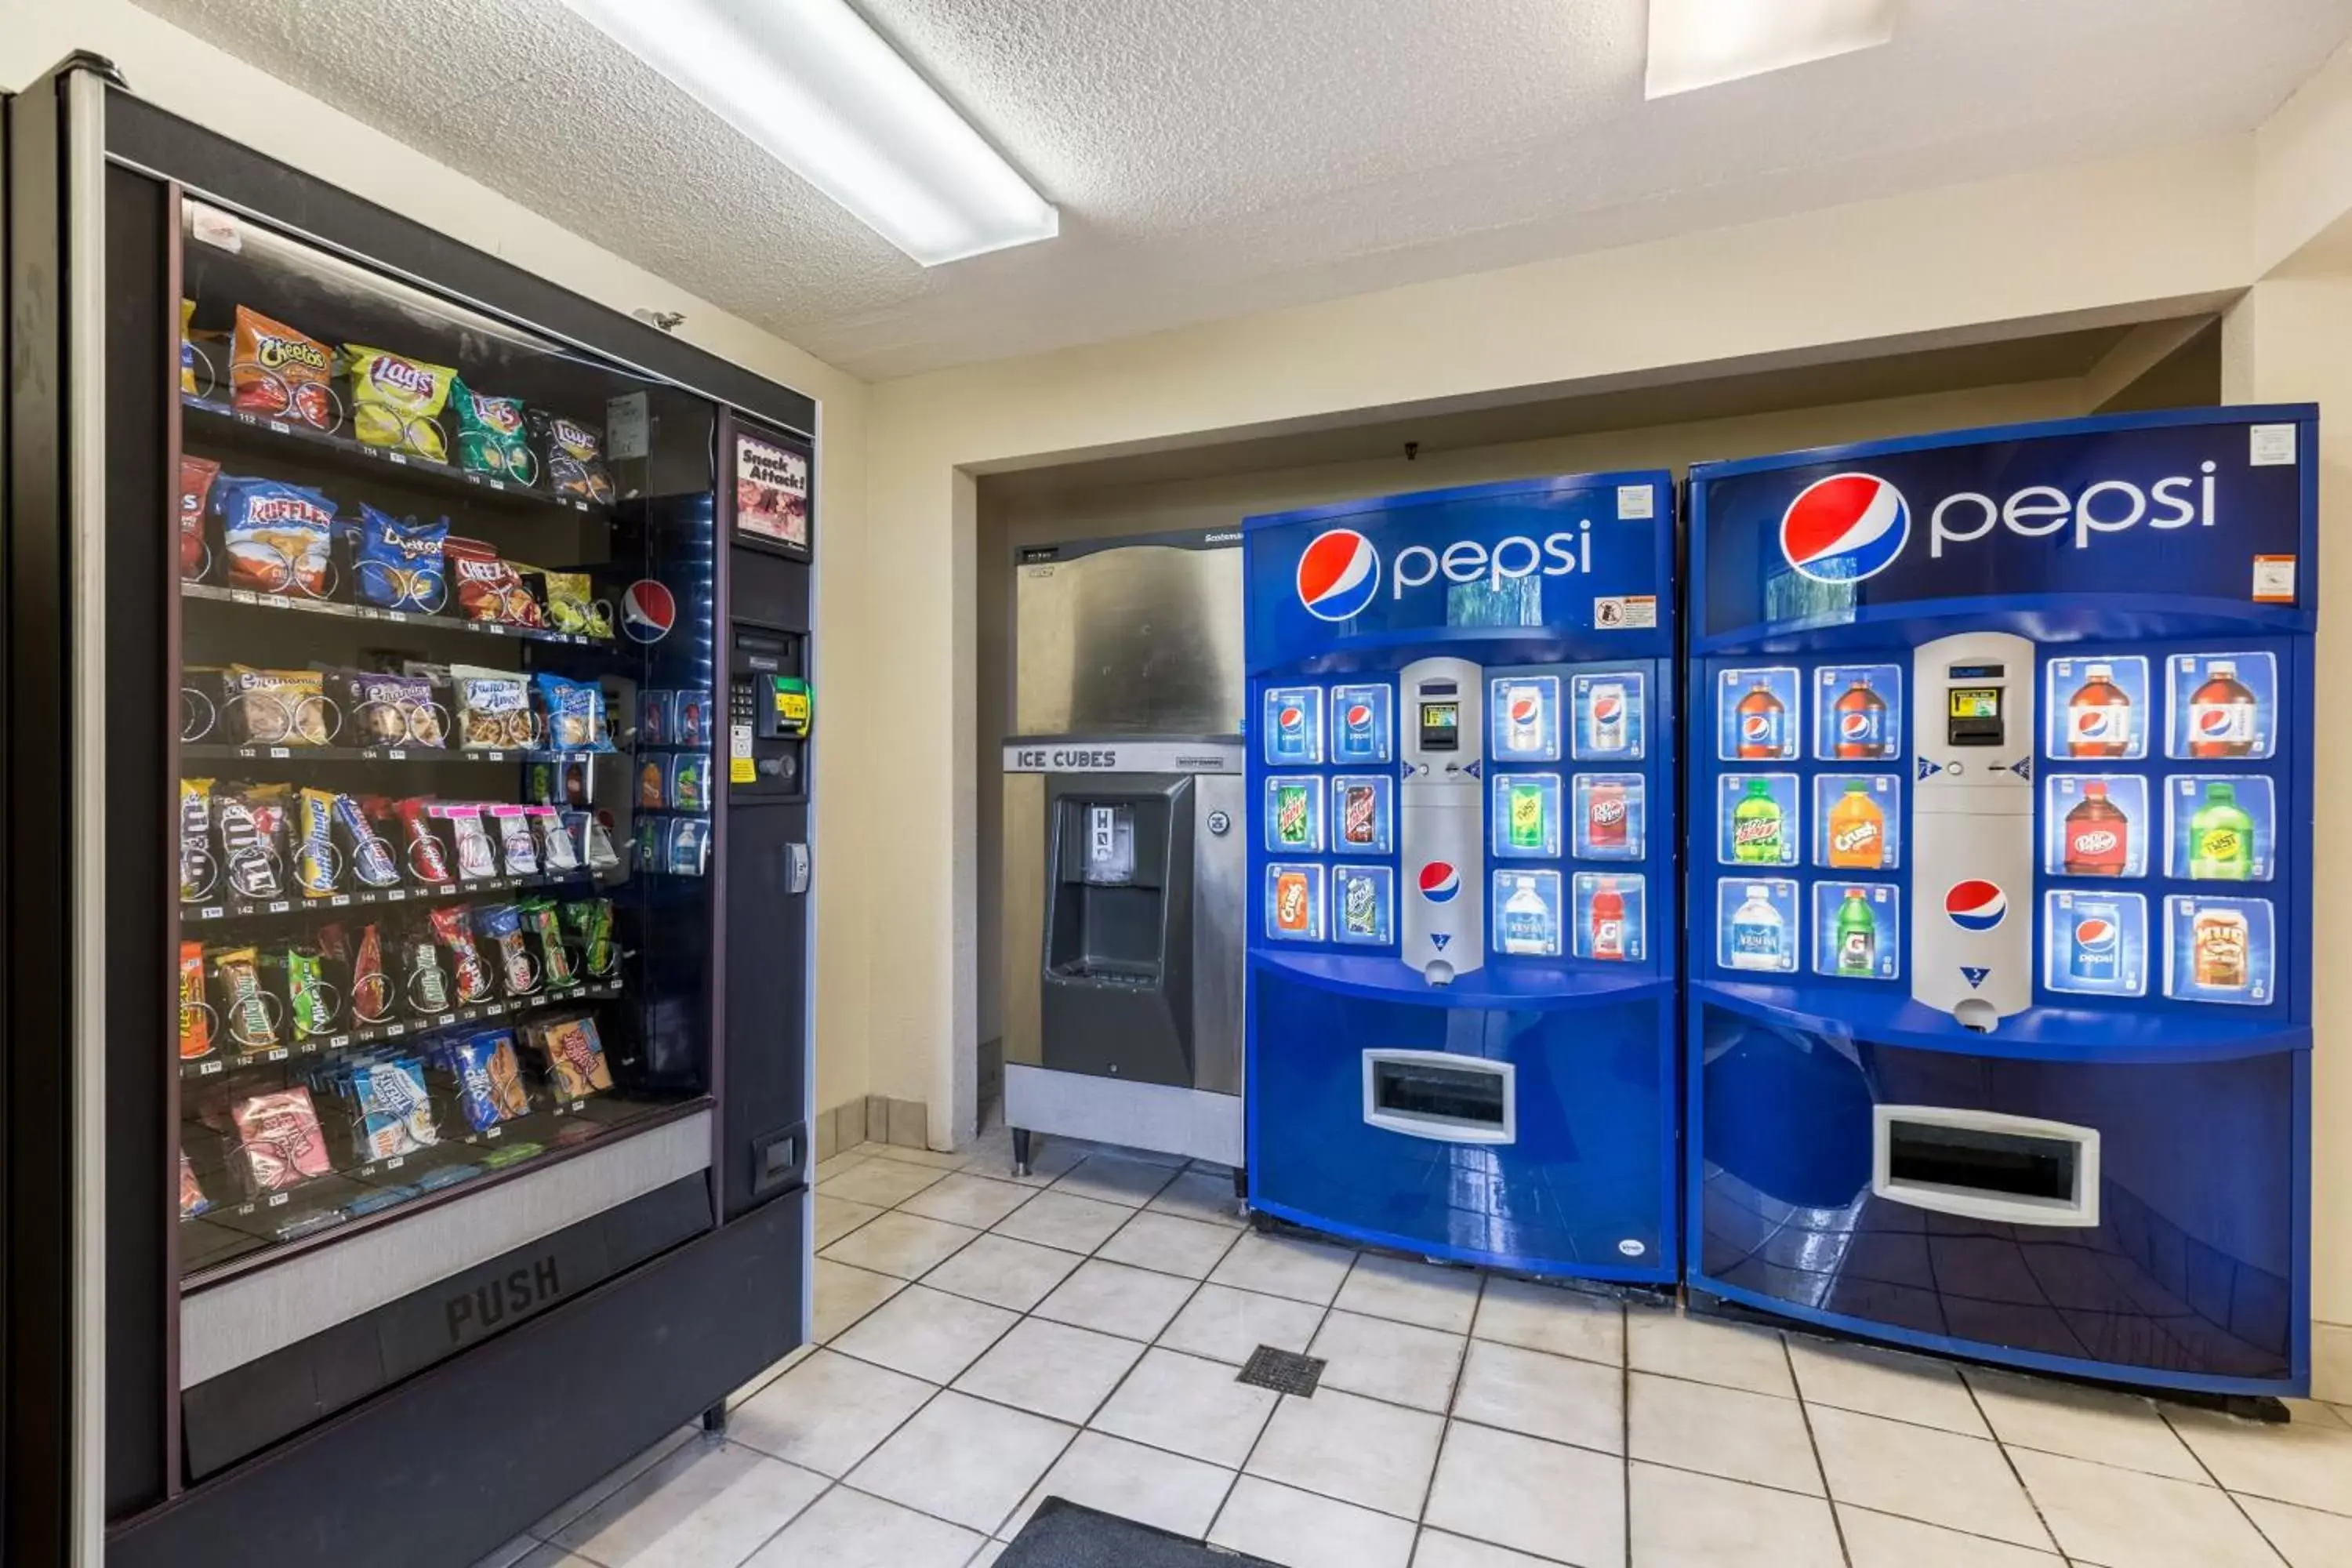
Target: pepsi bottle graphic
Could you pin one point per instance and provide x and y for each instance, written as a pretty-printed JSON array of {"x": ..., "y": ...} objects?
[{"x": 2094, "y": 950}]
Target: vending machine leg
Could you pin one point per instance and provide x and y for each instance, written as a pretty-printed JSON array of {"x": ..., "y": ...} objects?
[
  {"x": 714, "y": 1420},
  {"x": 1021, "y": 1150}
]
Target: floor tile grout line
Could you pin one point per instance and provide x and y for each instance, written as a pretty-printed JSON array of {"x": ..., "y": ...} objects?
[
  {"x": 1453, "y": 1398},
  {"x": 1272, "y": 1415},
  {"x": 2010, "y": 1460},
  {"x": 2235, "y": 1502},
  {"x": 1805, "y": 1414},
  {"x": 1625, "y": 1421}
]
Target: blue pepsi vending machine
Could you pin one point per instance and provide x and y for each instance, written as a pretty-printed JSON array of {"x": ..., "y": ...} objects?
[
  {"x": 2001, "y": 957},
  {"x": 1462, "y": 1015}
]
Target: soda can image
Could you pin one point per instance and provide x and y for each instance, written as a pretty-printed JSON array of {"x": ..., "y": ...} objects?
[
  {"x": 2094, "y": 941},
  {"x": 1290, "y": 901},
  {"x": 1604, "y": 719},
  {"x": 1292, "y": 826},
  {"x": 1360, "y": 910},
  {"x": 1294, "y": 903},
  {"x": 1363, "y": 894},
  {"x": 1358, "y": 814}
]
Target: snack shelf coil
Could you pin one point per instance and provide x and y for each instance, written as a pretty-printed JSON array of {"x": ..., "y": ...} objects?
[
  {"x": 445, "y": 623},
  {"x": 196, "y": 914},
  {"x": 224, "y": 420},
  {"x": 222, "y": 1063}
]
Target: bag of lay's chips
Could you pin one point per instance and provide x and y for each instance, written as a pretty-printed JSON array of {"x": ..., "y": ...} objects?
[
  {"x": 574, "y": 458},
  {"x": 492, "y": 437},
  {"x": 396, "y": 402}
]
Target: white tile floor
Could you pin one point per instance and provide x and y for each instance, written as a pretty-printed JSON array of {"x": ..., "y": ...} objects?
[{"x": 984, "y": 1343}]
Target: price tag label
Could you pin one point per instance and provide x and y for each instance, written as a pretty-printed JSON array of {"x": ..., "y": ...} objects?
[
  {"x": 339, "y": 899},
  {"x": 277, "y": 1055},
  {"x": 397, "y": 895},
  {"x": 281, "y": 751},
  {"x": 243, "y": 596},
  {"x": 338, "y": 1042},
  {"x": 279, "y": 906},
  {"x": 397, "y": 756},
  {"x": 278, "y": 1200},
  {"x": 281, "y": 427},
  {"x": 211, "y": 913},
  {"x": 393, "y": 1029},
  {"x": 494, "y": 1132},
  {"x": 400, "y": 458},
  {"x": 206, "y": 1069},
  {"x": 444, "y": 1020},
  {"x": 395, "y": 1163}
]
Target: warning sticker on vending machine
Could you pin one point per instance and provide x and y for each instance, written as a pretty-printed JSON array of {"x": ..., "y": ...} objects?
[
  {"x": 741, "y": 769},
  {"x": 1629, "y": 612}
]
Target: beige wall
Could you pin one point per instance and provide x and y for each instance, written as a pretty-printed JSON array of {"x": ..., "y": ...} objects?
[{"x": 190, "y": 78}]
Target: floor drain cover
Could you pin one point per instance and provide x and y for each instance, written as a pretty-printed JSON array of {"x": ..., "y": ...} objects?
[{"x": 1283, "y": 1372}]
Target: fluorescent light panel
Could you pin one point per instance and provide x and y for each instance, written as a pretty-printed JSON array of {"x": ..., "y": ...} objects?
[
  {"x": 1699, "y": 43},
  {"x": 816, "y": 87}
]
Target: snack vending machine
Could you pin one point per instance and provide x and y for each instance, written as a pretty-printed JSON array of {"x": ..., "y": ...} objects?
[
  {"x": 419, "y": 1052},
  {"x": 1463, "y": 942},
  {"x": 2000, "y": 873}
]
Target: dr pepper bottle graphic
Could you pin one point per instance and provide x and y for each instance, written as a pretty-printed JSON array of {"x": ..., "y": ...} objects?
[{"x": 2098, "y": 835}]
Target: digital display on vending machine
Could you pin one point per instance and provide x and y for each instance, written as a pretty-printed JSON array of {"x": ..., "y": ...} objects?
[
  {"x": 1441, "y": 726},
  {"x": 1972, "y": 713}
]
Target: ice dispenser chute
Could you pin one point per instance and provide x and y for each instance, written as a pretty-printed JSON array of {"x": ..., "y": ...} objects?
[{"x": 1118, "y": 985}]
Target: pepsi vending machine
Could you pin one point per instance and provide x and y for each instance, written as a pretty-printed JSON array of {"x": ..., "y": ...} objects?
[
  {"x": 1462, "y": 1020},
  {"x": 2001, "y": 980}
]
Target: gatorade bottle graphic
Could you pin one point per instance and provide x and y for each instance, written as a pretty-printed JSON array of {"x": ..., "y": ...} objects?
[
  {"x": 1857, "y": 936},
  {"x": 1857, "y": 830},
  {"x": 2221, "y": 713},
  {"x": 1755, "y": 826},
  {"x": 2221, "y": 838},
  {"x": 1762, "y": 720},
  {"x": 1608, "y": 920},
  {"x": 1861, "y": 719},
  {"x": 2098, "y": 835},
  {"x": 2099, "y": 716}
]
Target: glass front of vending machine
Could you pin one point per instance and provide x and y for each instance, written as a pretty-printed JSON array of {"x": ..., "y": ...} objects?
[
  {"x": 1462, "y": 945},
  {"x": 367, "y": 596},
  {"x": 2000, "y": 1030}
]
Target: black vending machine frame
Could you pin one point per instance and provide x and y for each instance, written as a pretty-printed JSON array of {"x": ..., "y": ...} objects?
[{"x": 450, "y": 1461}]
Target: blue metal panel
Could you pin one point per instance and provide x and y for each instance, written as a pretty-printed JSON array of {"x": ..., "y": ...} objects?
[
  {"x": 2200, "y": 1262},
  {"x": 1538, "y": 580}
]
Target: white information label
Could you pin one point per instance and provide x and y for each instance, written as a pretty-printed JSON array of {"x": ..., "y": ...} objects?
[
  {"x": 1635, "y": 502},
  {"x": 2273, "y": 579},
  {"x": 216, "y": 228},
  {"x": 628, "y": 430},
  {"x": 2270, "y": 445}
]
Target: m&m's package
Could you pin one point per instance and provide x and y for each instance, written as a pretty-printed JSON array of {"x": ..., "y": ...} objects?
[
  {"x": 396, "y": 402},
  {"x": 277, "y": 372}
]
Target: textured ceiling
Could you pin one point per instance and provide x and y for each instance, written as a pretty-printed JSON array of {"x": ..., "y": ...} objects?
[{"x": 1214, "y": 157}]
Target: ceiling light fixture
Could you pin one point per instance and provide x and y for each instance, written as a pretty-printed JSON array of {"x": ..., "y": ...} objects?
[
  {"x": 817, "y": 88},
  {"x": 1699, "y": 43}
]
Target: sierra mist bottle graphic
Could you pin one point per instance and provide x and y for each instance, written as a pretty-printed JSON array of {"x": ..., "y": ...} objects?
[{"x": 2221, "y": 838}]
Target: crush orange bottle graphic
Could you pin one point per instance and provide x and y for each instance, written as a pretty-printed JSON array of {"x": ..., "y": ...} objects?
[{"x": 1857, "y": 829}]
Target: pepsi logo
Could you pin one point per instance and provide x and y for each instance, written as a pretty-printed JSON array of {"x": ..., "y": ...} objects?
[
  {"x": 1291, "y": 719},
  {"x": 1360, "y": 718},
  {"x": 1756, "y": 727},
  {"x": 1339, "y": 574},
  {"x": 1440, "y": 882},
  {"x": 1525, "y": 710},
  {"x": 1605, "y": 709},
  {"x": 648, "y": 610},
  {"x": 2097, "y": 723},
  {"x": 2094, "y": 933},
  {"x": 1854, "y": 726},
  {"x": 1976, "y": 904},
  {"x": 2219, "y": 721},
  {"x": 1845, "y": 528}
]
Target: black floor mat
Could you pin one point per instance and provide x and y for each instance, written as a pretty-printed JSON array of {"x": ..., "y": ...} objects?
[{"x": 1061, "y": 1534}]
